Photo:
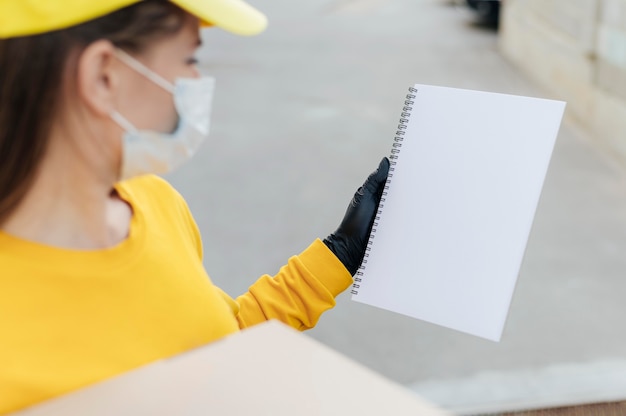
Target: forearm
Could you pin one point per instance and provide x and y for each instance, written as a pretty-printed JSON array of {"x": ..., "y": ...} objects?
[{"x": 301, "y": 291}]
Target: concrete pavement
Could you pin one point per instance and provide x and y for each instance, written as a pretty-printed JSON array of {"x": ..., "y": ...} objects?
[{"x": 305, "y": 111}]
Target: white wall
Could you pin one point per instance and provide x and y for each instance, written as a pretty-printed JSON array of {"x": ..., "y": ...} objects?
[{"x": 577, "y": 49}]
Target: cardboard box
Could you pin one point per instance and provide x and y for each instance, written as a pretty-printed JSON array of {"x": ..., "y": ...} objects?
[{"x": 269, "y": 369}]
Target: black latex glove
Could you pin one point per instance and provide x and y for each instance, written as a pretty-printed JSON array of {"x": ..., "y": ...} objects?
[{"x": 349, "y": 242}]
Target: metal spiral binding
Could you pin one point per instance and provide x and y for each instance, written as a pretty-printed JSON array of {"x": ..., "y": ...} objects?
[{"x": 393, "y": 159}]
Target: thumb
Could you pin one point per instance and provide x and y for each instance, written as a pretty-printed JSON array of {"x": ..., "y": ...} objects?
[{"x": 375, "y": 183}]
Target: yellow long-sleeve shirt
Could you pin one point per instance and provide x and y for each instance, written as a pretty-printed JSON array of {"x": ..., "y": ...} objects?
[{"x": 71, "y": 318}]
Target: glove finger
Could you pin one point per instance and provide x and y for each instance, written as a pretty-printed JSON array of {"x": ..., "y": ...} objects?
[
  {"x": 374, "y": 183},
  {"x": 358, "y": 195},
  {"x": 377, "y": 179}
]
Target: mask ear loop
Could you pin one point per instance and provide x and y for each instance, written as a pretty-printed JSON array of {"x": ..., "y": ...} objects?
[
  {"x": 144, "y": 70},
  {"x": 122, "y": 122}
]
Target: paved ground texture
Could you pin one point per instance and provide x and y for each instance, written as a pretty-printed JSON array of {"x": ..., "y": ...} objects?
[
  {"x": 603, "y": 409},
  {"x": 305, "y": 111}
]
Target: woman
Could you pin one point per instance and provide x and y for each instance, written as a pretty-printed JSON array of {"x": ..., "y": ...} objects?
[{"x": 101, "y": 261}]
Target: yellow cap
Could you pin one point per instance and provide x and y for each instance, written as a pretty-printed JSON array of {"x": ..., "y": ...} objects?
[{"x": 31, "y": 17}]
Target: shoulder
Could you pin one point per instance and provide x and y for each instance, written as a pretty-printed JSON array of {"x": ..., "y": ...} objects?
[
  {"x": 149, "y": 187},
  {"x": 160, "y": 203},
  {"x": 155, "y": 195}
]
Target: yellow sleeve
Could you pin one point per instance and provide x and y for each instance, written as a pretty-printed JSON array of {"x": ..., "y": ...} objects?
[
  {"x": 297, "y": 296},
  {"x": 300, "y": 292}
]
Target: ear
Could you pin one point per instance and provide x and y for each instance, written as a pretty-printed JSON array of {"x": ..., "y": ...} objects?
[{"x": 97, "y": 79}]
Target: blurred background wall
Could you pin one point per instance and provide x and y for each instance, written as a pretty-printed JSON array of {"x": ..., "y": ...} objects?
[{"x": 577, "y": 49}]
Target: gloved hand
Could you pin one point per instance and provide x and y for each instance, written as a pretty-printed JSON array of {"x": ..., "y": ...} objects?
[{"x": 349, "y": 241}]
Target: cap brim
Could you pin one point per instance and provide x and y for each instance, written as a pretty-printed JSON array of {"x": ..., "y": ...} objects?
[{"x": 234, "y": 16}]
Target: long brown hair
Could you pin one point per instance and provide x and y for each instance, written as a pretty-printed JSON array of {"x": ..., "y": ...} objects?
[{"x": 31, "y": 74}]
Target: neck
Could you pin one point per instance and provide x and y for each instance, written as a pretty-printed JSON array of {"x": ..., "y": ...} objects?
[{"x": 70, "y": 205}]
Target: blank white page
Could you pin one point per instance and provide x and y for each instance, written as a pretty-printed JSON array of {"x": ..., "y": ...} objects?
[{"x": 453, "y": 227}]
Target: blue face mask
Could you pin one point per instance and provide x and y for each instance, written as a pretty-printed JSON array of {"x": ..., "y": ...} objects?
[{"x": 146, "y": 151}]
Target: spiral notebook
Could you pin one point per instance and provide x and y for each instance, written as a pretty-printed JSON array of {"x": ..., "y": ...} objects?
[{"x": 467, "y": 169}]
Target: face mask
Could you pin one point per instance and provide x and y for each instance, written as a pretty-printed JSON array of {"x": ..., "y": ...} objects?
[{"x": 146, "y": 151}]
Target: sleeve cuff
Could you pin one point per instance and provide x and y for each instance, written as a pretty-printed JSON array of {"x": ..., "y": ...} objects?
[{"x": 326, "y": 267}]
